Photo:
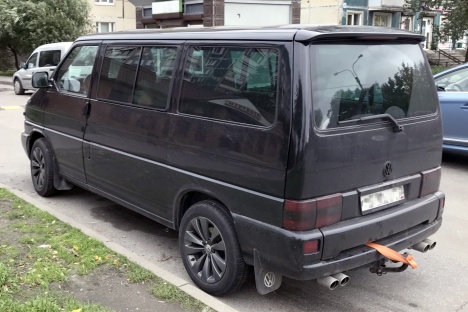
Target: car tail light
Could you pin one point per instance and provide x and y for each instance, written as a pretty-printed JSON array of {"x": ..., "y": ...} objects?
[
  {"x": 299, "y": 215},
  {"x": 430, "y": 182},
  {"x": 311, "y": 247},
  {"x": 312, "y": 214},
  {"x": 329, "y": 210}
]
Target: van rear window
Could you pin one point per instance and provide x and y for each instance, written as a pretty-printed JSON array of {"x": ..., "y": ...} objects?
[{"x": 350, "y": 81}]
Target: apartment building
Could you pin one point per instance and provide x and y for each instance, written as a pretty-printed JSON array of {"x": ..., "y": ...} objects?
[
  {"x": 383, "y": 13},
  {"x": 114, "y": 15},
  {"x": 199, "y": 13}
]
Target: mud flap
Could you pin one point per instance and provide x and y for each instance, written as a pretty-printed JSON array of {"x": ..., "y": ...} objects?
[{"x": 265, "y": 280}]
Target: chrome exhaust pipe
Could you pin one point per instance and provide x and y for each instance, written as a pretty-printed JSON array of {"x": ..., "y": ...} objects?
[
  {"x": 421, "y": 247},
  {"x": 343, "y": 279},
  {"x": 329, "y": 282},
  {"x": 431, "y": 243}
]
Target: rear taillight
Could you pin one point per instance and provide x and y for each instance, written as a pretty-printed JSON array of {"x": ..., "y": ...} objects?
[
  {"x": 430, "y": 182},
  {"x": 329, "y": 210},
  {"x": 299, "y": 215},
  {"x": 312, "y": 214}
]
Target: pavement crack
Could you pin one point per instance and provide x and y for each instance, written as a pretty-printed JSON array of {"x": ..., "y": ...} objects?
[{"x": 462, "y": 307}]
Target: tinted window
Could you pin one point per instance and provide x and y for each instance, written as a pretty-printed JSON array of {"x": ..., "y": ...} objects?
[
  {"x": 454, "y": 82},
  {"x": 356, "y": 80},
  {"x": 49, "y": 58},
  {"x": 75, "y": 73},
  {"x": 118, "y": 73},
  {"x": 154, "y": 77},
  {"x": 234, "y": 84}
]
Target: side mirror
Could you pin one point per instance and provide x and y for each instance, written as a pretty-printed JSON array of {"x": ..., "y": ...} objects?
[
  {"x": 40, "y": 80},
  {"x": 23, "y": 65},
  {"x": 440, "y": 88}
]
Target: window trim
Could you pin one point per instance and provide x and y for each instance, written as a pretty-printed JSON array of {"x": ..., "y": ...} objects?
[
  {"x": 178, "y": 48},
  {"x": 104, "y": 2},
  {"x": 98, "y": 27},
  {"x": 353, "y": 13},
  {"x": 184, "y": 60}
]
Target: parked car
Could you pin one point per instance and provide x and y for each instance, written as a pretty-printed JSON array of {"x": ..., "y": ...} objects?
[
  {"x": 452, "y": 87},
  {"x": 44, "y": 58},
  {"x": 288, "y": 149}
]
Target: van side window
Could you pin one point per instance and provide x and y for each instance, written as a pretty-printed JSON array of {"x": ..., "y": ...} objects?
[
  {"x": 118, "y": 73},
  {"x": 49, "y": 58},
  {"x": 233, "y": 84},
  {"x": 32, "y": 61},
  {"x": 154, "y": 77},
  {"x": 75, "y": 73}
]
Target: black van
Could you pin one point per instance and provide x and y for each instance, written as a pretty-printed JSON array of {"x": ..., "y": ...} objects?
[{"x": 286, "y": 149}]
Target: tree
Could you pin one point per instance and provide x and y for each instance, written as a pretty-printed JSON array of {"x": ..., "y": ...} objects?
[
  {"x": 456, "y": 16},
  {"x": 27, "y": 24}
]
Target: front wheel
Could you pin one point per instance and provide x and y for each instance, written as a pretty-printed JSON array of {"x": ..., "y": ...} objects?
[
  {"x": 210, "y": 249},
  {"x": 18, "y": 87},
  {"x": 42, "y": 168}
]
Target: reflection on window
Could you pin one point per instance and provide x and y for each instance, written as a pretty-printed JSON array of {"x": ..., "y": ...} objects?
[
  {"x": 154, "y": 77},
  {"x": 75, "y": 73},
  {"x": 454, "y": 82},
  {"x": 353, "y": 81},
  {"x": 31, "y": 63},
  {"x": 233, "y": 84}
]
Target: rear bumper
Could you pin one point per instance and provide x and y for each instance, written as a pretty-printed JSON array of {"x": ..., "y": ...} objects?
[{"x": 341, "y": 245}]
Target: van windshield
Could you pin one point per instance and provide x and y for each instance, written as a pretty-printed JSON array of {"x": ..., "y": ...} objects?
[{"x": 352, "y": 81}]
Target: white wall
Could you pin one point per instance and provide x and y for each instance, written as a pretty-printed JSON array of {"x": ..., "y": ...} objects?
[{"x": 246, "y": 14}]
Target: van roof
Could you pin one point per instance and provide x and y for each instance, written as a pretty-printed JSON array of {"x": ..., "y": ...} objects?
[
  {"x": 56, "y": 45},
  {"x": 296, "y": 32}
]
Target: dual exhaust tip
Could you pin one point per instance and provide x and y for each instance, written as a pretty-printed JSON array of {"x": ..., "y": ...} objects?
[
  {"x": 424, "y": 246},
  {"x": 332, "y": 281}
]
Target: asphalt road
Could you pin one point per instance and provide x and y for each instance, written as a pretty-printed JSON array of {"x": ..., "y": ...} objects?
[{"x": 438, "y": 284}]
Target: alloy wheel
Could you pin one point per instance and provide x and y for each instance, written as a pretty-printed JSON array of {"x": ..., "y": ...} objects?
[{"x": 205, "y": 249}]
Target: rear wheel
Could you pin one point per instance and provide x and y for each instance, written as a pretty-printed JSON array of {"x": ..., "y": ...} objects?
[
  {"x": 18, "y": 87},
  {"x": 210, "y": 249},
  {"x": 42, "y": 168}
]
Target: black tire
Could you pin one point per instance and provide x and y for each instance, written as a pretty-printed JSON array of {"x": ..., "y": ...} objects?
[
  {"x": 210, "y": 249},
  {"x": 18, "y": 87},
  {"x": 42, "y": 168}
]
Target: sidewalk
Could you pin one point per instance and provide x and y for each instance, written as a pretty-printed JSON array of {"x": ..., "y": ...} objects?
[{"x": 6, "y": 83}]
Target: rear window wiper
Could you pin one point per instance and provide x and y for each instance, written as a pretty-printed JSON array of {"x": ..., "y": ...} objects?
[{"x": 396, "y": 126}]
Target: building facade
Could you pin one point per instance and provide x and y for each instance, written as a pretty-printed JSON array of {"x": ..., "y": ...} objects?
[
  {"x": 383, "y": 13},
  {"x": 113, "y": 15},
  {"x": 199, "y": 13}
]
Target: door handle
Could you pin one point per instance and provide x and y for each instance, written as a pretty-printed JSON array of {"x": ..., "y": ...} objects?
[{"x": 464, "y": 107}]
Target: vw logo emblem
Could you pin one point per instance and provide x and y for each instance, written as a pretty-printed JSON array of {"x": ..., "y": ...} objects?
[
  {"x": 269, "y": 279},
  {"x": 387, "y": 170}
]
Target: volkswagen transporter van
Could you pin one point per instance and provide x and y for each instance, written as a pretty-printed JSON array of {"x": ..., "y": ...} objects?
[{"x": 288, "y": 149}]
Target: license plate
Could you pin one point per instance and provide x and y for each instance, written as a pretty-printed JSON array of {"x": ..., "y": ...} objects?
[{"x": 382, "y": 198}]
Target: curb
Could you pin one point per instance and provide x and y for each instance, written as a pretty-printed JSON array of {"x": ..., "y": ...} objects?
[{"x": 180, "y": 283}]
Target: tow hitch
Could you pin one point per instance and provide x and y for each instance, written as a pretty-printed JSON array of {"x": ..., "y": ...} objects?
[{"x": 379, "y": 267}]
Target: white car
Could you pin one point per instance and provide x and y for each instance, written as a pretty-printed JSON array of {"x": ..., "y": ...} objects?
[{"x": 44, "y": 58}]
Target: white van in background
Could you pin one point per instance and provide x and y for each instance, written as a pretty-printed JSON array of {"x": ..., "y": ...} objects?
[{"x": 44, "y": 58}]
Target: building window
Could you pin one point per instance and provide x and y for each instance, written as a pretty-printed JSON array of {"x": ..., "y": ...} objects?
[
  {"x": 104, "y": 27},
  {"x": 104, "y": 1},
  {"x": 147, "y": 12},
  {"x": 354, "y": 18},
  {"x": 382, "y": 19}
]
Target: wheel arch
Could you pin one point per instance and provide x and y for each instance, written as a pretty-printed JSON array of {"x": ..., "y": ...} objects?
[{"x": 188, "y": 198}]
